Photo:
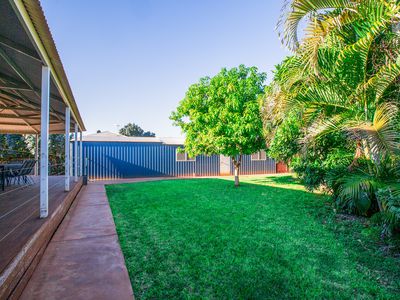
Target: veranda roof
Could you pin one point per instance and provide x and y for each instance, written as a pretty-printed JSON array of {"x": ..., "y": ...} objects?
[{"x": 26, "y": 44}]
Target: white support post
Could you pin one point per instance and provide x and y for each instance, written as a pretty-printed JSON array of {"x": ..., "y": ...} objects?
[
  {"x": 44, "y": 143},
  {"x": 80, "y": 155},
  {"x": 76, "y": 153},
  {"x": 67, "y": 147},
  {"x": 36, "y": 170}
]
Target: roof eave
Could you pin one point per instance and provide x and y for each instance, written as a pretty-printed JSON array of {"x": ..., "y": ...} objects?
[{"x": 32, "y": 17}]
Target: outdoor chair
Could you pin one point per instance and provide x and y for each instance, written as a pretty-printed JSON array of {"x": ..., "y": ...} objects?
[
  {"x": 23, "y": 173},
  {"x": 7, "y": 176}
]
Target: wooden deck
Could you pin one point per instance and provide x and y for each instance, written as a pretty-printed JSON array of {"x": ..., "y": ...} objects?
[{"x": 22, "y": 233}]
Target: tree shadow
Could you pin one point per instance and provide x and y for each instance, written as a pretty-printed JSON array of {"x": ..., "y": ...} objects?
[
  {"x": 256, "y": 241},
  {"x": 284, "y": 179}
]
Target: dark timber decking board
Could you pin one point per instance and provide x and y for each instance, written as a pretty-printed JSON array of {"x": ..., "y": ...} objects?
[{"x": 19, "y": 216}]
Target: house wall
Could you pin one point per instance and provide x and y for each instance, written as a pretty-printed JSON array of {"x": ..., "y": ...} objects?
[{"x": 114, "y": 160}]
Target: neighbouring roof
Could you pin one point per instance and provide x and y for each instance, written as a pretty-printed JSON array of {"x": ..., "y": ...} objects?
[
  {"x": 108, "y": 136},
  {"x": 173, "y": 140}
]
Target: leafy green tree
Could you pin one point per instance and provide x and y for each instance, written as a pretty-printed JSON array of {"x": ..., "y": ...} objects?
[
  {"x": 3, "y": 148},
  {"x": 221, "y": 115},
  {"x": 131, "y": 129},
  {"x": 14, "y": 147},
  {"x": 57, "y": 154}
]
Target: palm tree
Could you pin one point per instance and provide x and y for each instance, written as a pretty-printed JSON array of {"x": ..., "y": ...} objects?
[
  {"x": 344, "y": 76},
  {"x": 345, "y": 72}
]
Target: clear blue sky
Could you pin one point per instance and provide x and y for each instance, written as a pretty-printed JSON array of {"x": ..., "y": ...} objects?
[{"x": 133, "y": 60}]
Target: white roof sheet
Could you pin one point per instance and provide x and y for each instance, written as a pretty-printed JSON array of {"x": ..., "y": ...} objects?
[{"x": 108, "y": 136}]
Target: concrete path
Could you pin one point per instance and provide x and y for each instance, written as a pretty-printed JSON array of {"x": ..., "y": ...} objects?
[{"x": 83, "y": 260}]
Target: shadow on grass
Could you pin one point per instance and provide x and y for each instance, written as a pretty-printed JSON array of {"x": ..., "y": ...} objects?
[
  {"x": 284, "y": 180},
  {"x": 206, "y": 238}
]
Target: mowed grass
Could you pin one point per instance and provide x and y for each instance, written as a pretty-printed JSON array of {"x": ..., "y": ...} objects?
[{"x": 268, "y": 239}]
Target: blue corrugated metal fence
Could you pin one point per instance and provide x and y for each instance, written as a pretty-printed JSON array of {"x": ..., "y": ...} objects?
[
  {"x": 108, "y": 160},
  {"x": 250, "y": 167},
  {"x": 114, "y": 160}
]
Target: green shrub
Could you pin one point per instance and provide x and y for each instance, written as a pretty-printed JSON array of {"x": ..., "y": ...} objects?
[
  {"x": 327, "y": 156},
  {"x": 389, "y": 217},
  {"x": 285, "y": 143},
  {"x": 372, "y": 189}
]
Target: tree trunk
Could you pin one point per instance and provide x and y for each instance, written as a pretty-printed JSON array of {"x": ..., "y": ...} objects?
[
  {"x": 237, "y": 163},
  {"x": 357, "y": 155},
  {"x": 362, "y": 150},
  {"x": 236, "y": 176}
]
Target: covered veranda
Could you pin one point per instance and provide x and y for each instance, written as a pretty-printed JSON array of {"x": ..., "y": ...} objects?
[{"x": 35, "y": 99}]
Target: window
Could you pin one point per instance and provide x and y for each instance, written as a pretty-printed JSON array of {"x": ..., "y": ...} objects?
[
  {"x": 183, "y": 156},
  {"x": 180, "y": 156},
  {"x": 261, "y": 155}
]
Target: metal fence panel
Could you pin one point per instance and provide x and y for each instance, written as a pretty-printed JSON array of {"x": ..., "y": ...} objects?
[
  {"x": 250, "y": 167},
  {"x": 114, "y": 160}
]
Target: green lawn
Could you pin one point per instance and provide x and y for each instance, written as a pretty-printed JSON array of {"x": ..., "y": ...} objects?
[{"x": 203, "y": 238}]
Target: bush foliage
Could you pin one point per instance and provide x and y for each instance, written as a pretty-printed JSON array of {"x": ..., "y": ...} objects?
[{"x": 331, "y": 111}]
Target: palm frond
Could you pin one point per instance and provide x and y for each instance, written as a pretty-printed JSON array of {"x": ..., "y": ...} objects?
[
  {"x": 394, "y": 188},
  {"x": 375, "y": 17},
  {"x": 322, "y": 127},
  {"x": 385, "y": 77},
  {"x": 382, "y": 134},
  {"x": 352, "y": 61},
  {"x": 358, "y": 188},
  {"x": 316, "y": 33},
  {"x": 389, "y": 217},
  {"x": 297, "y": 10},
  {"x": 275, "y": 106},
  {"x": 289, "y": 80},
  {"x": 323, "y": 99}
]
